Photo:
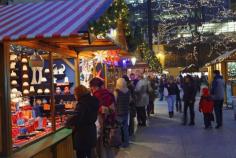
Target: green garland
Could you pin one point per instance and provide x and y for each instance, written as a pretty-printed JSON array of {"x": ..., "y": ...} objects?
[{"x": 117, "y": 11}]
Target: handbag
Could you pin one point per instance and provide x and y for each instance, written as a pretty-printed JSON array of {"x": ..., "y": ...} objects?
[
  {"x": 112, "y": 135},
  {"x": 115, "y": 137},
  {"x": 166, "y": 93}
]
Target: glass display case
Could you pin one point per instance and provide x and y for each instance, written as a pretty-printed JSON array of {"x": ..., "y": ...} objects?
[
  {"x": 40, "y": 96},
  {"x": 28, "y": 118},
  {"x": 231, "y": 70}
]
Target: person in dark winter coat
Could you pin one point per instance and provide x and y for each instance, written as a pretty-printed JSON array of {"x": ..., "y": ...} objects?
[
  {"x": 189, "y": 99},
  {"x": 206, "y": 107},
  {"x": 122, "y": 97},
  {"x": 106, "y": 116},
  {"x": 218, "y": 93},
  {"x": 132, "y": 107},
  {"x": 83, "y": 122},
  {"x": 171, "y": 98}
]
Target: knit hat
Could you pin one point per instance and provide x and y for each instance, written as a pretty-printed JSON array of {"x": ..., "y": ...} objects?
[{"x": 205, "y": 92}]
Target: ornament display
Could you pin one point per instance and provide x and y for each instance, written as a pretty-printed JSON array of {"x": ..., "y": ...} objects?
[
  {"x": 25, "y": 76},
  {"x": 13, "y": 82},
  {"x": 13, "y": 57},
  {"x": 25, "y": 84},
  {"x": 13, "y": 74},
  {"x": 59, "y": 70},
  {"x": 46, "y": 91},
  {"x": 24, "y": 68},
  {"x": 46, "y": 71},
  {"x": 14, "y": 90},
  {"x": 12, "y": 65},
  {"x": 44, "y": 79},
  {"x": 39, "y": 91},
  {"x": 24, "y": 60},
  {"x": 26, "y": 91},
  {"x": 36, "y": 63},
  {"x": 54, "y": 80},
  {"x": 32, "y": 90},
  {"x": 66, "y": 80}
]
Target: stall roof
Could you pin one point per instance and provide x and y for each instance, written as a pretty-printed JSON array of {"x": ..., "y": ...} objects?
[
  {"x": 49, "y": 19},
  {"x": 222, "y": 57}
]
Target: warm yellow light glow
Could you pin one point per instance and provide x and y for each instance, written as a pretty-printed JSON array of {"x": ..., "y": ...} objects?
[
  {"x": 160, "y": 55},
  {"x": 133, "y": 60}
]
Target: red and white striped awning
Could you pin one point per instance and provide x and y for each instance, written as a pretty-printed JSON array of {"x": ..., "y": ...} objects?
[{"x": 48, "y": 19}]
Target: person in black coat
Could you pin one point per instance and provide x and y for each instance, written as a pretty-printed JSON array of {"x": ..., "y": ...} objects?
[
  {"x": 189, "y": 89},
  {"x": 83, "y": 122}
]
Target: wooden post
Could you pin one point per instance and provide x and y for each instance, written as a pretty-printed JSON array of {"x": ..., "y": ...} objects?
[
  {"x": 52, "y": 97},
  {"x": 106, "y": 76},
  {"x": 77, "y": 73},
  {"x": 5, "y": 110}
]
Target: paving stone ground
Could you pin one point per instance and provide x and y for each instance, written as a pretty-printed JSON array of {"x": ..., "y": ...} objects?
[{"x": 167, "y": 138}]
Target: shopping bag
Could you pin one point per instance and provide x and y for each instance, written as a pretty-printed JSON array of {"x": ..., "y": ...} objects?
[
  {"x": 112, "y": 135},
  {"x": 115, "y": 137}
]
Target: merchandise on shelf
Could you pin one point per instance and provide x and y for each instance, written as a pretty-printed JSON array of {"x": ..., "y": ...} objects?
[{"x": 31, "y": 98}]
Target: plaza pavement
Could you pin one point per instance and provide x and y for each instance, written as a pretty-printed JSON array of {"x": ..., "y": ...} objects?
[{"x": 167, "y": 138}]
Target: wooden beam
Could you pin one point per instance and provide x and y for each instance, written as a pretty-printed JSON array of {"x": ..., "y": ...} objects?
[
  {"x": 94, "y": 48},
  {"x": 69, "y": 63},
  {"x": 77, "y": 73},
  {"x": 52, "y": 97},
  {"x": 5, "y": 101},
  {"x": 46, "y": 47}
]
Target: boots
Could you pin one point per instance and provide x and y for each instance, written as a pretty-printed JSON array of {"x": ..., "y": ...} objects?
[{"x": 171, "y": 114}]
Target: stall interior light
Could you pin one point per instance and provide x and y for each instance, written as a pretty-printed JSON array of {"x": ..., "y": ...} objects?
[{"x": 133, "y": 60}]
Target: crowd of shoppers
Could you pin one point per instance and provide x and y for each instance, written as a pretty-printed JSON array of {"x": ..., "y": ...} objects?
[
  {"x": 185, "y": 89},
  {"x": 100, "y": 113}
]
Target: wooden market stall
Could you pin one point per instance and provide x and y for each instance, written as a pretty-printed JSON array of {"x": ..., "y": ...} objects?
[
  {"x": 226, "y": 64},
  {"x": 60, "y": 29}
]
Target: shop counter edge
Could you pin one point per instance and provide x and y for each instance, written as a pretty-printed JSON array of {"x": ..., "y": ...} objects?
[{"x": 42, "y": 144}]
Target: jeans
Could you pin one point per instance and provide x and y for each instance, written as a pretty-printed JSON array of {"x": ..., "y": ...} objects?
[
  {"x": 190, "y": 105},
  {"x": 161, "y": 96},
  {"x": 141, "y": 115},
  {"x": 171, "y": 102},
  {"x": 218, "y": 106},
  {"x": 123, "y": 119}
]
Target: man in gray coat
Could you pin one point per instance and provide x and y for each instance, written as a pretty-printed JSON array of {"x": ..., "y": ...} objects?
[{"x": 218, "y": 93}]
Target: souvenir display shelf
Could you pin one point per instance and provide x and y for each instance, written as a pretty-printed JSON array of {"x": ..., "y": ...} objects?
[
  {"x": 113, "y": 73},
  {"x": 33, "y": 115}
]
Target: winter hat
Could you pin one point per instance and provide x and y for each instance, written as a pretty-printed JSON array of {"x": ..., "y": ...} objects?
[{"x": 205, "y": 92}]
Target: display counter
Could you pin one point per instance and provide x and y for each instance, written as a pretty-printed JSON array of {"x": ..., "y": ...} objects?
[{"x": 58, "y": 144}]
